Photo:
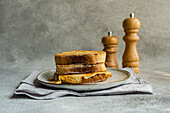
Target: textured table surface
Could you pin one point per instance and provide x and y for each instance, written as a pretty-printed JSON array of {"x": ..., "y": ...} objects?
[
  {"x": 158, "y": 102},
  {"x": 32, "y": 31}
]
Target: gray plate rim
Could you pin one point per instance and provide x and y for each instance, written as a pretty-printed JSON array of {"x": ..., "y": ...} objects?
[{"x": 77, "y": 87}]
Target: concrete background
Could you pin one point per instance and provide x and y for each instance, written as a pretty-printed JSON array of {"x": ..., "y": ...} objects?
[{"x": 32, "y": 31}]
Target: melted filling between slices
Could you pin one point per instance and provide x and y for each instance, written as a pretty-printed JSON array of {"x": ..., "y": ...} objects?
[{"x": 80, "y": 78}]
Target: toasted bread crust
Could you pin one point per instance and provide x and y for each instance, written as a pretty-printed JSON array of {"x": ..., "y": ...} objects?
[
  {"x": 80, "y": 68},
  {"x": 80, "y": 57}
]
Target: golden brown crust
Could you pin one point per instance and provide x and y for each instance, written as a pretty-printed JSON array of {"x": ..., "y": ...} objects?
[
  {"x": 80, "y": 57},
  {"x": 80, "y": 68}
]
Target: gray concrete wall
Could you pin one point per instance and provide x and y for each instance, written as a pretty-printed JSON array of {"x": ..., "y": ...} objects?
[{"x": 32, "y": 31}]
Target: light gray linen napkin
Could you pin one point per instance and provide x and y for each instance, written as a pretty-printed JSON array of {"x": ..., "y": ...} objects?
[{"x": 31, "y": 88}]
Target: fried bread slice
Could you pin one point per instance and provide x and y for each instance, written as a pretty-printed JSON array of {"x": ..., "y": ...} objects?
[
  {"x": 80, "y": 68},
  {"x": 80, "y": 57}
]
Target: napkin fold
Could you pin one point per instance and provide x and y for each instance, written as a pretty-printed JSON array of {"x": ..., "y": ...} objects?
[{"x": 31, "y": 88}]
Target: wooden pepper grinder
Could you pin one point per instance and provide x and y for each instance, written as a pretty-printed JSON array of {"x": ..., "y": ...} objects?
[
  {"x": 110, "y": 42},
  {"x": 130, "y": 56}
]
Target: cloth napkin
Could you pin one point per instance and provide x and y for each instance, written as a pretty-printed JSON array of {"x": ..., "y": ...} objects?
[{"x": 30, "y": 87}]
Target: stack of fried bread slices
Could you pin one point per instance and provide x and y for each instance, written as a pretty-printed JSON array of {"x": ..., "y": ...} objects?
[{"x": 79, "y": 66}]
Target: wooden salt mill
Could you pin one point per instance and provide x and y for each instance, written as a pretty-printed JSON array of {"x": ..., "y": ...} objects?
[
  {"x": 130, "y": 56},
  {"x": 110, "y": 42}
]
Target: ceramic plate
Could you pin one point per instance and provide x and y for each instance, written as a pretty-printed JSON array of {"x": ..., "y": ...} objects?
[{"x": 118, "y": 77}]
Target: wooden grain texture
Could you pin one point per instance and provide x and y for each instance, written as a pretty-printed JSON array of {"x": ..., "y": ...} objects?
[
  {"x": 110, "y": 43},
  {"x": 130, "y": 56}
]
